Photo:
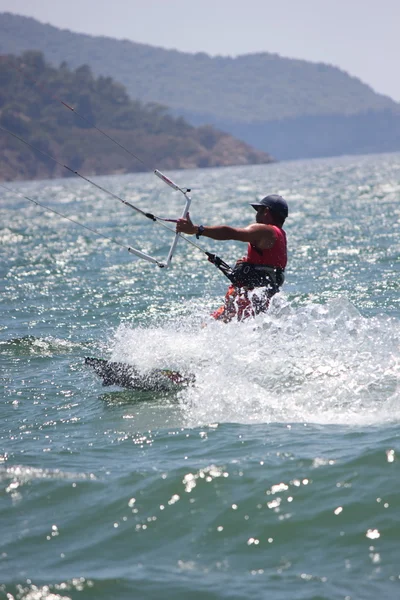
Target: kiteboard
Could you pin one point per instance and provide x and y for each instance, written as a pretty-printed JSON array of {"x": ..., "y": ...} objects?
[{"x": 129, "y": 377}]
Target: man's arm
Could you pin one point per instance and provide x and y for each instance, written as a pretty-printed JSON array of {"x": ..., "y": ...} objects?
[{"x": 262, "y": 236}]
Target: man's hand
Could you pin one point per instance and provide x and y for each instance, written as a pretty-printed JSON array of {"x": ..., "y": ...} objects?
[
  {"x": 241, "y": 261},
  {"x": 186, "y": 226}
]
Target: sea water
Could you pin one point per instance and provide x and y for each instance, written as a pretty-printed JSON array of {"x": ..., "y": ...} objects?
[{"x": 276, "y": 475}]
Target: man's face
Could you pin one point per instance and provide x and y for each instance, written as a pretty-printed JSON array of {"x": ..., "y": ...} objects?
[{"x": 260, "y": 214}]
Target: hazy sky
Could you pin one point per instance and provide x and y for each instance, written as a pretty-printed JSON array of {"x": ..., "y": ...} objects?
[{"x": 361, "y": 37}]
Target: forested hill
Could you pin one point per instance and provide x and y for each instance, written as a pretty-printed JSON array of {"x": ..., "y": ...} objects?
[
  {"x": 30, "y": 107},
  {"x": 289, "y": 108},
  {"x": 249, "y": 88}
]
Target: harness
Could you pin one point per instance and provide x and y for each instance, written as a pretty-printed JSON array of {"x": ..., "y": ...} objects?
[{"x": 250, "y": 276}]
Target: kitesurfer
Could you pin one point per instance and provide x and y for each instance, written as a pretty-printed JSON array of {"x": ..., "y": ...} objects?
[{"x": 260, "y": 274}]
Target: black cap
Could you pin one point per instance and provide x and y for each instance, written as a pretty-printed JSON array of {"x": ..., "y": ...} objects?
[{"x": 275, "y": 203}]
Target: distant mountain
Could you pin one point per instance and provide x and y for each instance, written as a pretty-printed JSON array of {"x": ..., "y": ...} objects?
[
  {"x": 34, "y": 113},
  {"x": 293, "y": 108}
]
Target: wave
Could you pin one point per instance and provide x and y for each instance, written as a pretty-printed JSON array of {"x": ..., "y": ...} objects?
[
  {"x": 39, "y": 346},
  {"x": 308, "y": 517},
  {"x": 315, "y": 363}
]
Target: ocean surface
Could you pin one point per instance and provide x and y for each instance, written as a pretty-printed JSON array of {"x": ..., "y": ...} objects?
[{"x": 276, "y": 475}]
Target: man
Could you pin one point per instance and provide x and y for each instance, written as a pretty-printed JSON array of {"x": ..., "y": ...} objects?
[{"x": 258, "y": 275}]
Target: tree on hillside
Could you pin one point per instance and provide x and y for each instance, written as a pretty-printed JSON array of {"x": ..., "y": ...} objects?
[{"x": 30, "y": 93}]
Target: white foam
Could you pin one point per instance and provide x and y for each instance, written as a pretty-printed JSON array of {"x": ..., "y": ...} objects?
[{"x": 312, "y": 363}]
